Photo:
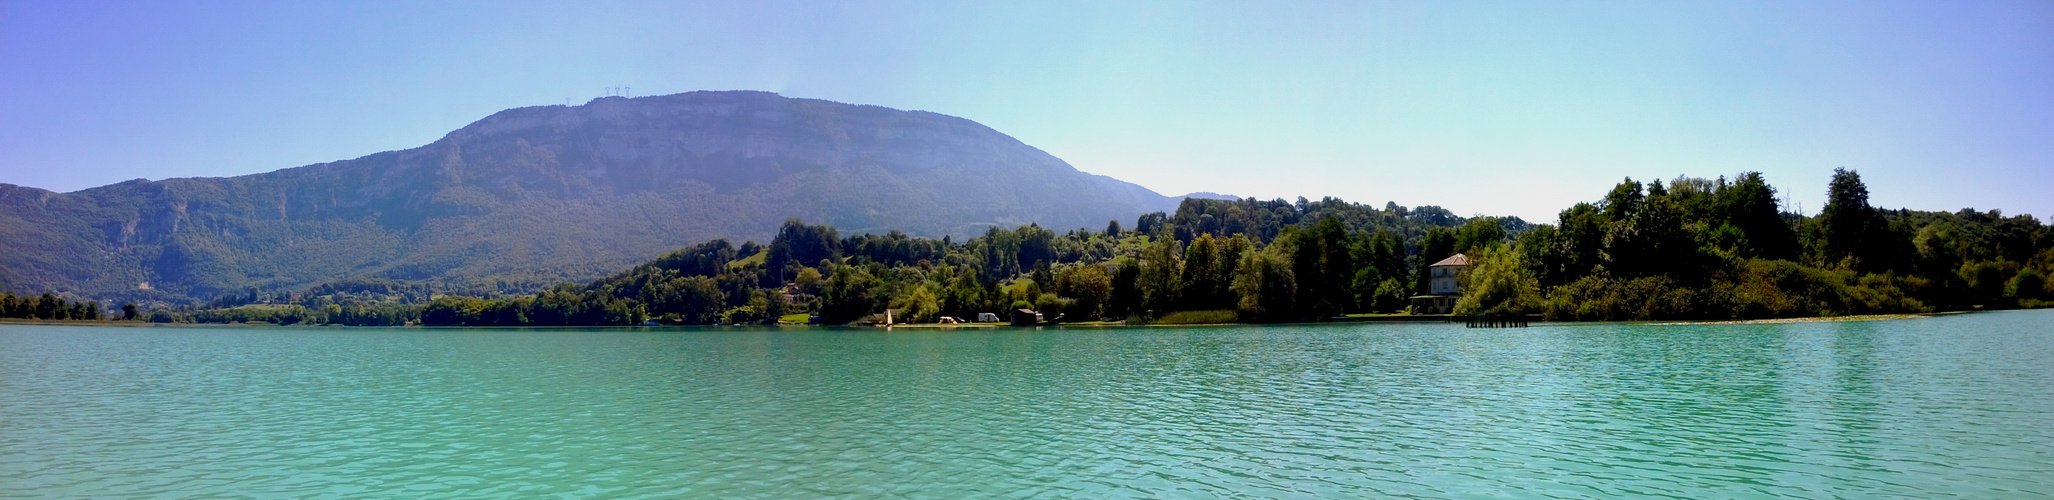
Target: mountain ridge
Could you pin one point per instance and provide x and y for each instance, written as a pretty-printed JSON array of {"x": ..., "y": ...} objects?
[{"x": 531, "y": 196}]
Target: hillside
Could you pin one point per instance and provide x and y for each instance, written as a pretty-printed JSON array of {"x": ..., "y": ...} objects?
[{"x": 540, "y": 195}]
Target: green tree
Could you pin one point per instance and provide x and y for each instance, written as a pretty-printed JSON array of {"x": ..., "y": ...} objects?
[
  {"x": 965, "y": 297},
  {"x": 1379, "y": 257},
  {"x": 1653, "y": 241},
  {"x": 1127, "y": 298},
  {"x": 1478, "y": 233},
  {"x": 919, "y": 304},
  {"x": 799, "y": 243},
  {"x": 1265, "y": 285},
  {"x": 1199, "y": 287},
  {"x": 1542, "y": 249},
  {"x": 1623, "y": 201},
  {"x": 1986, "y": 281},
  {"x": 690, "y": 300},
  {"x": 1051, "y": 305},
  {"x": 453, "y": 311},
  {"x": 1151, "y": 224},
  {"x": 1226, "y": 264},
  {"x": 1089, "y": 285},
  {"x": 1848, "y": 220},
  {"x": 1439, "y": 243},
  {"x": 809, "y": 281},
  {"x": 851, "y": 293},
  {"x": 1498, "y": 283},
  {"x": 1158, "y": 280},
  {"x": 1750, "y": 207},
  {"x": 1389, "y": 296},
  {"x": 774, "y": 306},
  {"x": 1323, "y": 267},
  {"x": 2027, "y": 284},
  {"x": 1582, "y": 240},
  {"x": 49, "y": 307}
]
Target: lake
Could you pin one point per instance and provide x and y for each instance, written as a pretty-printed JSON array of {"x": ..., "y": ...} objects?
[{"x": 1949, "y": 406}]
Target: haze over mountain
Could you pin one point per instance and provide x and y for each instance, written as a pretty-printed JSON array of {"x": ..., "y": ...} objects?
[{"x": 539, "y": 195}]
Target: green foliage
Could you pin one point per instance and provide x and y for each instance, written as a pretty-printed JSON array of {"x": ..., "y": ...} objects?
[
  {"x": 48, "y": 307},
  {"x": 798, "y": 244},
  {"x": 1266, "y": 286},
  {"x": 1498, "y": 283},
  {"x": 1126, "y": 297},
  {"x": 1088, "y": 285},
  {"x": 1749, "y": 209},
  {"x": 1389, "y": 296},
  {"x": 1855, "y": 234},
  {"x": 1688, "y": 249},
  {"x": 2027, "y": 284},
  {"x": 1479, "y": 233},
  {"x": 919, "y": 304},
  {"x": 1051, "y": 305},
  {"x": 1653, "y": 241},
  {"x": 1623, "y": 201},
  {"x": 1323, "y": 267},
  {"x": 1439, "y": 243},
  {"x": 1158, "y": 279},
  {"x": 851, "y": 293},
  {"x": 1199, "y": 317}
]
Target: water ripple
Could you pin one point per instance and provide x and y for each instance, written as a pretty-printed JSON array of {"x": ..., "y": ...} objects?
[{"x": 1955, "y": 406}]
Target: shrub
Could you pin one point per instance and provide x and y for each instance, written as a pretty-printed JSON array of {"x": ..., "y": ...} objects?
[{"x": 1199, "y": 317}]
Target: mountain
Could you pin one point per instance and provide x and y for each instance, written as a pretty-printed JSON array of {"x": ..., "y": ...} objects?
[{"x": 539, "y": 195}]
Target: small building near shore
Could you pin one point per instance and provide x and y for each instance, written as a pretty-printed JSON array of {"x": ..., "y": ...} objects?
[
  {"x": 1443, "y": 286},
  {"x": 1026, "y": 317},
  {"x": 1444, "y": 276}
]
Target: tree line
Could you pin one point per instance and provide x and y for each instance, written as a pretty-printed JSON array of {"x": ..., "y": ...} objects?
[
  {"x": 1258, "y": 260},
  {"x": 1688, "y": 248},
  {"x": 48, "y": 307},
  {"x": 1723, "y": 249}
]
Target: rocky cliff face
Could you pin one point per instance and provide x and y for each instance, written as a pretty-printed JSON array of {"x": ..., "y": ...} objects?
[{"x": 552, "y": 193}]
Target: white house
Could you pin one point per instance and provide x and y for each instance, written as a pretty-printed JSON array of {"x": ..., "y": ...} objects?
[
  {"x": 1443, "y": 275},
  {"x": 1443, "y": 285}
]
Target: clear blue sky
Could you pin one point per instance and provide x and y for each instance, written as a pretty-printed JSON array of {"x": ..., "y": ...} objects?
[{"x": 1519, "y": 108}]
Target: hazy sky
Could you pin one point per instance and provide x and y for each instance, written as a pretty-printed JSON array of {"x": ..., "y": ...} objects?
[{"x": 1519, "y": 108}]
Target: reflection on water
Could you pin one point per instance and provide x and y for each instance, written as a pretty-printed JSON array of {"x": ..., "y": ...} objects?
[{"x": 1960, "y": 405}]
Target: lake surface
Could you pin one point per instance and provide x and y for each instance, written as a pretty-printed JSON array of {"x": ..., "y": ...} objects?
[{"x": 1950, "y": 406}]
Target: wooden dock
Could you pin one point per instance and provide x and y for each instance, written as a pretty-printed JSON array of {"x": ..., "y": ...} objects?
[{"x": 1495, "y": 320}]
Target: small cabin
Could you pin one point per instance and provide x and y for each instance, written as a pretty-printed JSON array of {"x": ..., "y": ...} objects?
[{"x": 1026, "y": 317}]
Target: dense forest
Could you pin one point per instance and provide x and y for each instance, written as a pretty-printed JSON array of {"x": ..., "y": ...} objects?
[
  {"x": 1722, "y": 249},
  {"x": 51, "y": 307},
  {"x": 1688, "y": 248}
]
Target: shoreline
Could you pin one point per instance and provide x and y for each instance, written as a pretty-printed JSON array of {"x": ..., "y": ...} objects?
[
  {"x": 1415, "y": 319},
  {"x": 1810, "y": 319}
]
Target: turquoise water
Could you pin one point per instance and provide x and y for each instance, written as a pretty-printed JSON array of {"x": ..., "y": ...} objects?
[{"x": 1950, "y": 406}]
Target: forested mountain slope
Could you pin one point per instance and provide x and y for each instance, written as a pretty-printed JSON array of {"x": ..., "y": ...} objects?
[{"x": 542, "y": 195}]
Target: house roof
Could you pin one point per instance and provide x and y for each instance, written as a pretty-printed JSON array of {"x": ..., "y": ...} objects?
[{"x": 1453, "y": 260}]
